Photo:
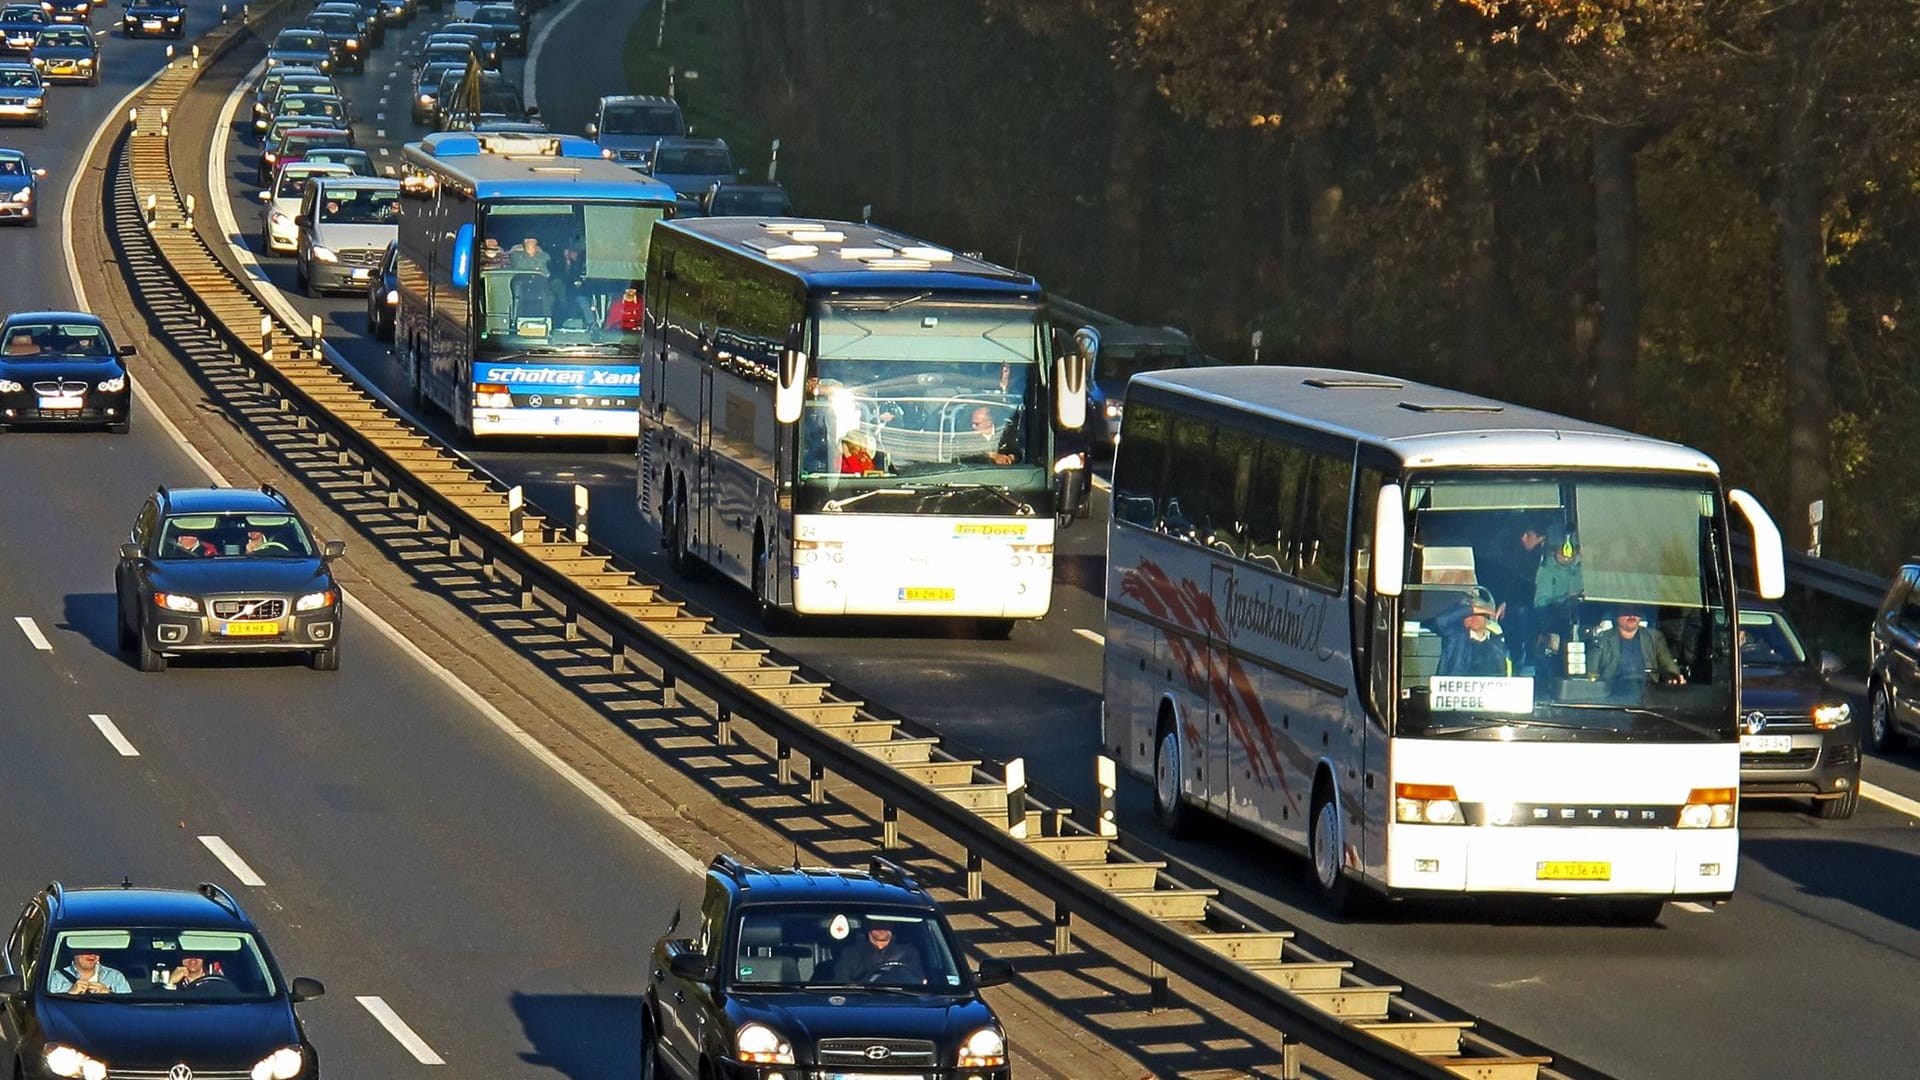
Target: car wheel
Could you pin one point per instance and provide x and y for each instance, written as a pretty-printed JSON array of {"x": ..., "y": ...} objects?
[
  {"x": 327, "y": 659},
  {"x": 1175, "y": 815},
  {"x": 33, "y": 223},
  {"x": 150, "y": 659},
  {"x": 1838, "y": 809},
  {"x": 124, "y": 635},
  {"x": 1328, "y": 845},
  {"x": 1882, "y": 736},
  {"x": 300, "y": 276}
]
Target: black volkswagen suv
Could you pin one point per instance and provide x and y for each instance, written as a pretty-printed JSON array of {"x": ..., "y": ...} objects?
[
  {"x": 226, "y": 570},
  {"x": 1797, "y": 735},
  {"x": 800, "y": 972},
  {"x": 126, "y": 982},
  {"x": 1893, "y": 656}
]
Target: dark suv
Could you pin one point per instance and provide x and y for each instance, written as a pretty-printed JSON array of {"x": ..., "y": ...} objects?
[
  {"x": 802, "y": 972},
  {"x": 226, "y": 570},
  {"x": 1797, "y": 735},
  {"x": 1893, "y": 672},
  {"x": 130, "y": 982}
]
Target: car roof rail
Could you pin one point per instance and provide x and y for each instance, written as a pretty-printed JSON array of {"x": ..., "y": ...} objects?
[
  {"x": 893, "y": 873},
  {"x": 57, "y": 891},
  {"x": 222, "y": 897},
  {"x": 733, "y": 868},
  {"x": 271, "y": 492},
  {"x": 161, "y": 490}
]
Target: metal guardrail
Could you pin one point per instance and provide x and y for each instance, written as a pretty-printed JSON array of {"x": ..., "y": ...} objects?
[{"x": 1087, "y": 873}]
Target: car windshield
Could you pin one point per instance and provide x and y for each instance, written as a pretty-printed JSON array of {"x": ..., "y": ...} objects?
[
  {"x": 20, "y": 13},
  {"x": 431, "y": 74},
  {"x": 1767, "y": 639},
  {"x": 296, "y": 145},
  {"x": 311, "y": 105},
  {"x": 497, "y": 95},
  {"x": 1560, "y": 606},
  {"x": 343, "y": 205},
  {"x": 54, "y": 341},
  {"x": 301, "y": 42},
  {"x": 338, "y": 24},
  {"x": 843, "y": 945},
  {"x": 159, "y": 965},
  {"x": 449, "y": 50},
  {"x": 1118, "y": 362},
  {"x": 759, "y": 203},
  {"x": 12, "y": 164},
  {"x": 18, "y": 79},
  {"x": 67, "y": 38},
  {"x": 923, "y": 406},
  {"x": 640, "y": 120},
  {"x": 293, "y": 183},
  {"x": 233, "y": 536},
  {"x": 693, "y": 160},
  {"x": 356, "y": 161}
]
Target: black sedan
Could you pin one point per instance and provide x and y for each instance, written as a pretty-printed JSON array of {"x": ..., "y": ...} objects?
[
  {"x": 226, "y": 570},
  {"x": 68, "y": 54},
  {"x": 154, "y": 18},
  {"x": 159, "y": 982},
  {"x": 62, "y": 367},
  {"x": 1797, "y": 735},
  {"x": 383, "y": 295},
  {"x": 301, "y": 46},
  {"x": 72, "y": 11}
]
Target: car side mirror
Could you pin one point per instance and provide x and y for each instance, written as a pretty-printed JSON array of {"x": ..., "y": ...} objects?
[
  {"x": 333, "y": 549},
  {"x": 266, "y": 196},
  {"x": 123, "y": 350},
  {"x": 1829, "y": 665},
  {"x": 593, "y": 130},
  {"x": 689, "y": 965},
  {"x": 742, "y": 171},
  {"x": 533, "y": 111},
  {"x": 40, "y": 174},
  {"x": 303, "y": 220},
  {"x": 130, "y": 551},
  {"x": 12, "y": 986},
  {"x": 993, "y": 973},
  {"x": 305, "y": 989}
]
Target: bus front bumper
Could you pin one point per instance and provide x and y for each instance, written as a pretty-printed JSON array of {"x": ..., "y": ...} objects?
[
  {"x": 601, "y": 422},
  {"x": 1550, "y": 861}
]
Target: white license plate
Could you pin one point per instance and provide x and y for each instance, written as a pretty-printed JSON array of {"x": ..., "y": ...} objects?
[
  {"x": 62, "y": 403},
  {"x": 1766, "y": 744},
  {"x": 361, "y": 275}
]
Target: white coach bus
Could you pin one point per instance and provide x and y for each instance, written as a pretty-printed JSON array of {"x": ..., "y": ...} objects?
[{"x": 1438, "y": 643}]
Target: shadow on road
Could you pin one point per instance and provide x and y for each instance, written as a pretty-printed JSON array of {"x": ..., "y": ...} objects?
[
  {"x": 1868, "y": 876},
  {"x": 584, "y": 1036}
]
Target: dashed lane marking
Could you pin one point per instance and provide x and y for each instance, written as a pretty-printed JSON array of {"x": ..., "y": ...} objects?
[
  {"x": 113, "y": 735},
  {"x": 1094, "y": 636},
  {"x": 1893, "y": 799},
  {"x": 32, "y": 630},
  {"x": 398, "y": 1028},
  {"x": 232, "y": 861}
]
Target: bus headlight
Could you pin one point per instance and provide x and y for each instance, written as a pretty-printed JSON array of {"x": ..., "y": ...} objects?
[
  {"x": 1427, "y": 804},
  {"x": 492, "y": 396},
  {"x": 1828, "y": 717},
  {"x": 984, "y": 1049},
  {"x": 1708, "y": 808}
]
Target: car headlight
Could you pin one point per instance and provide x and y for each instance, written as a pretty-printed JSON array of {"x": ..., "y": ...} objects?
[
  {"x": 36, "y": 102},
  {"x": 323, "y": 254},
  {"x": 1426, "y": 804},
  {"x": 39, "y": 61},
  {"x": 66, "y": 1061},
  {"x": 8, "y": 386},
  {"x": 426, "y": 99},
  {"x": 1113, "y": 410},
  {"x": 758, "y": 1044},
  {"x": 176, "y": 602},
  {"x": 353, "y": 43},
  {"x": 275, "y": 217},
  {"x": 393, "y": 297},
  {"x": 25, "y": 194},
  {"x": 86, "y": 62},
  {"x": 1828, "y": 717},
  {"x": 984, "y": 1049},
  {"x": 113, "y": 385},
  {"x": 283, "y": 1064},
  {"x": 173, "y": 18},
  {"x": 314, "y": 601}
]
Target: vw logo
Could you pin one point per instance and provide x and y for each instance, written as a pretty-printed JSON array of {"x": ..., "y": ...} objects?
[
  {"x": 180, "y": 1072},
  {"x": 878, "y": 1053},
  {"x": 1755, "y": 723}
]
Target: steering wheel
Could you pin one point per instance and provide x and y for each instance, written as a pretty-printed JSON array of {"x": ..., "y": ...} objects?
[
  {"x": 875, "y": 976},
  {"x": 207, "y": 981}
]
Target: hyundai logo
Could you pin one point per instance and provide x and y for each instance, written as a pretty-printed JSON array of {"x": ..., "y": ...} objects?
[
  {"x": 1755, "y": 723},
  {"x": 878, "y": 1053},
  {"x": 180, "y": 1072}
]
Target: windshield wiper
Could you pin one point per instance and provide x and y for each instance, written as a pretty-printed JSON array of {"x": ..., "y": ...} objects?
[
  {"x": 1023, "y": 508},
  {"x": 834, "y": 506},
  {"x": 911, "y": 991}
]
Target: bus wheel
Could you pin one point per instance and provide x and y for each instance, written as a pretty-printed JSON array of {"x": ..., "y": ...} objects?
[
  {"x": 1174, "y": 815},
  {"x": 675, "y": 540},
  {"x": 993, "y": 629},
  {"x": 416, "y": 385},
  {"x": 773, "y": 617},
  {"x": 1328, "y": 846}
]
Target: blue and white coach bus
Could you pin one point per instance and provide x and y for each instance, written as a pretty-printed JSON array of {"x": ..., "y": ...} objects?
[
  {"x": 849, "y": 421},
  {"x": 1438, "y": 643},
  {"x": 517, "y": 254}
]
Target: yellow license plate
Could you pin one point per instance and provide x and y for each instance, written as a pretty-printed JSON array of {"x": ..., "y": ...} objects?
[
  {"x": 926, "y": 594},
  {"x": 1573, "y": 871},
  {"x": 250, "y": 629}
]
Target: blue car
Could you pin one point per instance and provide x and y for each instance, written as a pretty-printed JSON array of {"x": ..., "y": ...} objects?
[
  {"x": 20, "y": 26},
  {"x": 627, "y": 125},
  {"x": 23, "y": 98},
  {"x": 690, "y": 166},
  {"x": 19, "y": 187},
  {"x": 154, "y": 18}
]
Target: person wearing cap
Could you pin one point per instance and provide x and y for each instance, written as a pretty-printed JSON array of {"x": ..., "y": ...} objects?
[
  {"x": 855, "y": 454},
  {"x": 492, "y": 255},
  {"x": 1470, "y": 640},
  {"x": 1558, "y": 583},
  {"x": 1630, "y": 653}
]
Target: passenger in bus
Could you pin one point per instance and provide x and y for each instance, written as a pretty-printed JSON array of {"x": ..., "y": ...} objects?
[
  {"x": 627, "y": 312},
  {"x": 529, "y": 256},
  {"x": 1560, "y": 581},
  {"x": 570, "y": 286},
  {"x": 492, "y": 255},
  {"x": 1470, "y": 640},
  {"x": 856, "y": 454},
  {"x": 1004, "y": 451},
  {"x": 1511, "y": 568},
  {"x": 1629, "y": 654}
]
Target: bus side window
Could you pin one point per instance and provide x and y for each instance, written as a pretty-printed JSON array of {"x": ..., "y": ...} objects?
[
  {"x": 1228, "y": 479},
  {"x": 1138, "y": 466},
  {"x": 1189, "y": 455},
  {"x": 1273, "y": 492},
  {"x": 1323, "y": 521}
]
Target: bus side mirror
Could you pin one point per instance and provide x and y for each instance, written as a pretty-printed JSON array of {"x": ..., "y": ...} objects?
[
  {"x": 789, "y": 391},
  {"x": 1769, "y": 560},
  {"x": 1389, "y": 542},
  {"x": 463, "y": 257},
  {"x": 1072, "y": 372}
]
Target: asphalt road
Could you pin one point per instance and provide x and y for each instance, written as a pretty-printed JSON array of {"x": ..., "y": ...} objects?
[
  {"x": 1808, "y": 969},
  {"x": 409, "y": 852}
]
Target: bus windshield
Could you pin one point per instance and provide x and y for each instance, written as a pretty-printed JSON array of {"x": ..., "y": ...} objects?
[
  {"x": 1555, "y": 607},
  {"x": 551, "y": 277},
  {"x": 925, "y": 406}
]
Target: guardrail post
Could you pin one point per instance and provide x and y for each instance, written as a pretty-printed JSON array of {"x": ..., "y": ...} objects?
[
  {"x": 723, "y": 729},
  {"x": 1017, "y": 798},
  {"x": 166, "y": 114},
  {"x": 316, "y": 337},
  {"x": 1107, "y": 776},
  {"x": 669, "y": 690},
  {"x": 782, "y": 764},
  {"x": 223, "y": 14},
  {"x": 580, "y": 513},
  {"x": 1157, "y": 996},
  {"x": 189, "y": 206},
  {"x": 1062, "y": 929},
  {"x": 266, "y": 334},
  {"x": 889, "y": 827},
  {"x": 196, "y": 58},
  {"x": 1289, "y": 1058},
  {"x": 816, "y": 783},
  {"x": 152, "y": 209},
  {"x": 975, "y": 886},
  {"x": 516, "y": 515}
]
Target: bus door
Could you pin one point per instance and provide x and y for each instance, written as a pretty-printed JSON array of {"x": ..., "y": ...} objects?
[
  {"x": 707, "y": 519},
  {"x": 1219, "y": 752}
]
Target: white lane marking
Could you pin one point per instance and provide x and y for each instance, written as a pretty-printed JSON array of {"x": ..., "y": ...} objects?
[
  {"x": 32, "y": 630},
  {"x": 530, "y": 75},
  {"x": 398, "y": 1028},
  {"x": 113, "y": 735},
  {"x": 1091, "y": 635},
  {"x": 232, "y": 861},
  {"x": 380, "y": 133},
  {"x": 1697, "y": 909},
  {"x": 379, "y": 116},
  {"x": 1894, "y": 799}
]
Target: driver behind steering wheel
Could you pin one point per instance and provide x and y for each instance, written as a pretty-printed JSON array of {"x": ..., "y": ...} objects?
[
  {"x": 879, "y": 960},
  {"x": 192, "y": 971}
]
